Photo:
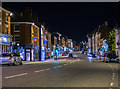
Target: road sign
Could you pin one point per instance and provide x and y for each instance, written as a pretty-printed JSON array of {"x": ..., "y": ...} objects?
[{"x": 35, "y": 38}]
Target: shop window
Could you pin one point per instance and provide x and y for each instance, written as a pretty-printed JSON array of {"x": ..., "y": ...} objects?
[{"x": 17, "y": 28}]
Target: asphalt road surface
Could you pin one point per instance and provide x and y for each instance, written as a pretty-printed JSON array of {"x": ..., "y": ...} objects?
[{"x": 73, "y": 72}]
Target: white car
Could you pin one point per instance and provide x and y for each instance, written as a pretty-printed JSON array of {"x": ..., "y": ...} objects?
[{"x": 11, "y": 59}]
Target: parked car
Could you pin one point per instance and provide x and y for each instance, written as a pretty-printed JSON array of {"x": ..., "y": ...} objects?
[
  {"x": 111, "y": 57},
  {"x": 85, "y": 52},
  {"x": 64, "y": 54},
  {"x": 92, "y": 55},
  {"x": 11, "y": 59},
  {"x": 47, "y": 54},
  {"x": 70, "y": 55}
]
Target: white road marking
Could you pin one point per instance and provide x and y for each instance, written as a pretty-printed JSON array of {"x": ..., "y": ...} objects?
[
  {"x": 59, "y": 66},
  {"x": 113, "y": 75},
  {"x": 39, "y": 70},
  {"x": 112, "y": 78},
  {"x": 71, "y": 62},
  {"x": 111, "y": 84},
  {"x": 47, "y": 69},
  {"x": 65, "y": 64},
  {"x": 56, "y": 67},
  {"x": 16, "y": 75}
]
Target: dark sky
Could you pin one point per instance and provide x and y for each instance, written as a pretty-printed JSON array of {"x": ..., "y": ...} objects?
[{"x": 73, "y": 19}]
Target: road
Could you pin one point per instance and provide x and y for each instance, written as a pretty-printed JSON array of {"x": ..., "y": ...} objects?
[{"x": 73, "y": 72}]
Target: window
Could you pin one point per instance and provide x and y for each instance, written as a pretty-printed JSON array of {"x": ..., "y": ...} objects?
[
  {"x": 17, "y": 28},
  {"x": 6, "y": 29},
  {"x": 17, "y": 38},
  {"x": 6, "y": 19},
  {"x": 0, "y": 15}
]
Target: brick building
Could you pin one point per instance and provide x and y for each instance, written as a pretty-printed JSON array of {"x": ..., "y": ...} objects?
[
  {"x": 5, "y": 30},
  {"x": 27, "y": 40}
]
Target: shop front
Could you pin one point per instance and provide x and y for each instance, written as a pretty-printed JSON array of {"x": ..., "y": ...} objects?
[
  {"x": 27, "y": 52},
  {"x": 5, "y": 43}
]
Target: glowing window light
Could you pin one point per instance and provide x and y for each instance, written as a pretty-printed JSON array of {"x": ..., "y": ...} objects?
[{"x": 32, "y": 53}]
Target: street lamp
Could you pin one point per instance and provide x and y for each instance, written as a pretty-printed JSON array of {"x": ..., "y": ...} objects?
[
  {"x": 56, "y": 51},
  {"x": 11, "y": 14},
  {"x": 33, "y": 24}
]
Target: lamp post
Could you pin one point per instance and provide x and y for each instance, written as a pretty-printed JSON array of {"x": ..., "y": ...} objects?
[{"x": 56, "y": 52}]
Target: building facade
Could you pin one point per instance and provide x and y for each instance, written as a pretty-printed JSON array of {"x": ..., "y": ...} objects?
[
  {"x": 70, "y": 44},
  {"x": 5, "y": 31},
  {"x": 26, "y": 40},
  {"x": 117, "y": 39},
  {"x": 42, "y": 43}
]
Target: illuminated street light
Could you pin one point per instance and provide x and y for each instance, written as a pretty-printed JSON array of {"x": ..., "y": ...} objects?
[
  {"x": 17, "y": 44},
  {"x": 11, "y": 14},
  {"x": 33, "y": 24}
]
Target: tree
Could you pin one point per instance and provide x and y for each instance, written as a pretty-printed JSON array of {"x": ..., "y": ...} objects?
[{"x": 111, "y": 40}]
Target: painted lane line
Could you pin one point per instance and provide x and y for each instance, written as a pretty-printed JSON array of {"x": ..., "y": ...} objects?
[
  {"x": 59, "y": 66},
  {"x": 113, "y": 75},
  {"x": 47, "y": 69},
  {"x": 111, "y": 84},
  {"x": 65, "y": 64},
  {"x": 16, "y": 75},
  {"x": 71, "y": 62},
  {"x": 56, "y": 67},
  {"x": 39, "y": 70},
  {"x": 112, "y": 78}
]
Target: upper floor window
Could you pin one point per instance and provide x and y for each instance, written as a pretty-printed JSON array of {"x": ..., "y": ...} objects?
[
  {"x": 17, "y": 28},
  {"x": 0, "y": 15},
  {"x": 17, "y": 38}
]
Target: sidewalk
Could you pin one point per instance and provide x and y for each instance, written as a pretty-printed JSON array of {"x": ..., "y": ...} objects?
[
  {"x": 61, "y": 58},
  {"x": 31, "y": 62}
]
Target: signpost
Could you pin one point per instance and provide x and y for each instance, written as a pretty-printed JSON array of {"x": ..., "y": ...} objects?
[{"x": 56, "y": 52}]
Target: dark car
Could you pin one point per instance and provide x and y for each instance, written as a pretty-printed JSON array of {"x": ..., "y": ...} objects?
[
  {"x": 112, "y": 57},
  {"x": 92, "y": 55},
  {"x": 70, "y": 55}
]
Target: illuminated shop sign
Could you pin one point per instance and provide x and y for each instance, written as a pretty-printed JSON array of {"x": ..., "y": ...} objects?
[
  {"x": 45, "y": 42},
  {"x": 4, "y": 38},
  {"x": 0, "y": 39},
  {"x": 35, "y": 38}
]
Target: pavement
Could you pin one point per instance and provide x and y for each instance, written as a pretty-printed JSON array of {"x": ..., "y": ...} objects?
[
  {"x": 77, "y": 73},
  {"x": 59, "y": 58}
]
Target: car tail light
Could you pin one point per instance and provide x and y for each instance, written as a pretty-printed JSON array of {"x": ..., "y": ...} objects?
[{"x": 10, "y": 57}]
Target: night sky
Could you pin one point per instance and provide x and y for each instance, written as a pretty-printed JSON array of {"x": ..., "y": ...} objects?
[{"x": 74, "y": 20}]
